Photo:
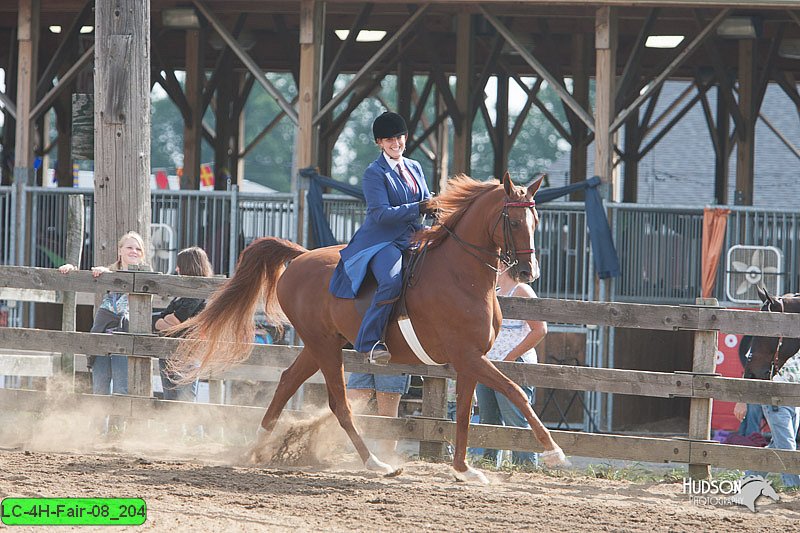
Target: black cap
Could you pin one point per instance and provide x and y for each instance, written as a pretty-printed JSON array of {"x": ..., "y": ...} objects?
[{"x": 389, "y": 125}]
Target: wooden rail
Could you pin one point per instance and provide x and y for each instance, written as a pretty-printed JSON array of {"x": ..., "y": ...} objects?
[{"x": 698, "y": 385}]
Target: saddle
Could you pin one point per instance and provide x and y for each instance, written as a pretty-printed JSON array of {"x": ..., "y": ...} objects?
[{"x": 412, "y": 261}]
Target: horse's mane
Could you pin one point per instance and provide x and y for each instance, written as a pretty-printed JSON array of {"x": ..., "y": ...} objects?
[{"x": 451, "y": 206}]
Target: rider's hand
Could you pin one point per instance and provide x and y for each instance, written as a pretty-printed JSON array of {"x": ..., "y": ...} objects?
[{"x": 425, "y": 207}]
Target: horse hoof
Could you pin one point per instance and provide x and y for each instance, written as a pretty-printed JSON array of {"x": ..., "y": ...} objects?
[
  {"x": 472, "y": 475},
  {"x": 375, "y": 465},
  {"x": 555, "y": 459}
]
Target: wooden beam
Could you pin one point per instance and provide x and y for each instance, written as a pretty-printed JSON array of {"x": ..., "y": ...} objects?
[
  {"x": 64, "y": 82},
  {"x": 462, "y": 134},
  {"x": 332, "y": 70},
  {"x": 269, "y": 127},
  {"x": 193, "y": 128},
  {"x": 369, "y": 66},
  {"x": 246, "y": 60},
  {"x": 66, "y": 50},
  {"x": 745, "y": 147},
  {"x": 630, "y": 73},
  {"x": 534, "y": 63},
  {"x": 605, "y": 75},
  {"x": 223, "y": 60},
  {"x": 680, "y": 57},
  {"x": 28, "y": 43}
]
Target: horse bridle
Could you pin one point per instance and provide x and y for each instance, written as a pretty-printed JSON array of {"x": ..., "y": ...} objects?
[
  {"x": 507, "y": 257},
  {"x": 774, "y": 364}
]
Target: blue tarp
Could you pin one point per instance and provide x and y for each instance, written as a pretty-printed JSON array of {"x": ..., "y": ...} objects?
[{"x": 606, "y": 262}]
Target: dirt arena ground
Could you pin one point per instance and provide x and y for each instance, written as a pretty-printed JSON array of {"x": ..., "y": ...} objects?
[{"x": 199, "y": 485}]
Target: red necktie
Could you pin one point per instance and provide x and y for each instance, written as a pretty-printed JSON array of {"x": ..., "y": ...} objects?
[{"x": 412, "y": 184}]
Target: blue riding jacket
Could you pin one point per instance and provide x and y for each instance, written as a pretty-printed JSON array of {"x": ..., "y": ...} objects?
[{"x": 392, "y": 217}]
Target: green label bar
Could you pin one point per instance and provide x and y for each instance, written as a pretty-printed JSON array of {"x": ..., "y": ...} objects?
[{"x": 73, "y": 511}]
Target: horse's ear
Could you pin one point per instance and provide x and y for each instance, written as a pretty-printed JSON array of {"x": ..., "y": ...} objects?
[
  {"x": 508, "y": 185},
  {"x": 533, "y": 187},
  {"x": 764, "y": 295}
]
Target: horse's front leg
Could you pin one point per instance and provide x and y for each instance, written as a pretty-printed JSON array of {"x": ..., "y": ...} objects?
[
  {"x": 465, "y": 388},
  {"x": 490, "y": 376}
]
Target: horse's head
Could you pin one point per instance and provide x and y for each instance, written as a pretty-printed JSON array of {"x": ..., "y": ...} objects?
[
  {"x": 516, "y": 228},
  {"x": 768, "y": 354}
]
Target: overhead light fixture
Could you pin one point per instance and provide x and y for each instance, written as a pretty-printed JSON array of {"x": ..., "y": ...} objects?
[
  {"x": 739, "y": 28},
  {"x": 790, "y": 49},
  {"x": 87, "y": 29},
  {"x": 664, "y": 41},
  {"x": 364, "y": 36},
  {"x": 54, "y": 29},
  {"x": 181, "y": 18}
]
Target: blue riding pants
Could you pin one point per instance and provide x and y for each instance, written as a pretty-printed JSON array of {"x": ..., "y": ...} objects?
[{"x": 387, "y": 267}]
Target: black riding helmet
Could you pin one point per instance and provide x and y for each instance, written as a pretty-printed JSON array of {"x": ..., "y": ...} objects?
[{"x": 389, "y": 125}]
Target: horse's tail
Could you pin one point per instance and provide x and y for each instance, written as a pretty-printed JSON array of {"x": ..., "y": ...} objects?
[{"x": 222, "y": 334}]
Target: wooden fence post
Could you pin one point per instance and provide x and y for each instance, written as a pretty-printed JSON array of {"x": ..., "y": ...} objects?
[
  {"x": 65, "y": 370},
  {"x": 703, "y": 362},
  {"x": 140, "y": 369},
  {"x": 434, "y": 405}
]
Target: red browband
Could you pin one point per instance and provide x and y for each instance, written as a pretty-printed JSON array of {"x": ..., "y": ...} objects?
[{"x": 521, "y": 204}]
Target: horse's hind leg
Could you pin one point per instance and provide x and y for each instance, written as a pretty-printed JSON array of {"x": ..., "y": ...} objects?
[
  {"x": 485, "y": 372},
  {"x": 333, "y": 370},
  {"x": 298, "y": 372}
]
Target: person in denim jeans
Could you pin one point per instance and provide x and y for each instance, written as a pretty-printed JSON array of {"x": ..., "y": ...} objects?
[
  {"x": 516, "y": 341},
  {"x": 387, "y": 388},
  {"x": 192, "y": 261},
  {"x": 108, "y": 371},
  {"x": 782, "y": 419}
]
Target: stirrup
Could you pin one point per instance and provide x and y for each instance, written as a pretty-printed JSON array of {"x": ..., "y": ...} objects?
[{"x": 379, "y": 356}]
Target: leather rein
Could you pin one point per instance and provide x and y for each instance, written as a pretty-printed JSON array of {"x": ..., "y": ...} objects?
[
  {"x": 773, "y": 367},
  {"x": 507, "y": 257}
]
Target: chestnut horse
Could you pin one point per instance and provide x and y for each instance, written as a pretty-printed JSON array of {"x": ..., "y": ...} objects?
[
  {"x": 484, "y": 226},
  {"x": 768, "y": 354}
]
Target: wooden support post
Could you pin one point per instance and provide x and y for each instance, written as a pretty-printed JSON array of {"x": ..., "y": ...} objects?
[
  {"x": 140, "y": 369},
  {"x": 606, "y": 51},
  {"x": 745, "y": 147},
  {"x": 581, "y": 44},
  {"x": 442, "y": 167},
  {"x": 501, "y": 126},
  {"x": 434, "y": 404},
  {"x": 462, "y": 138},
  {"x": 722, "y": 153},
  {"x": 122, "y": 148},
  {"x": 74, "y": 249},
  {"x": 703, "y": 362},
  {"x": 312, "y": 19},
  {"x": 28, "y": 40},
  {"x": 193, "y": 129},
  {"x": 633, "y": 138}
]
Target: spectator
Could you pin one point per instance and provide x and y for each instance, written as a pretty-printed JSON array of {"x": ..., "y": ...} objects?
[
  {"x": 516, "y": 341},
  {"x": 782, "y": 419},
  {"x": 108, "y": 371},
  {"x": 387, "y": 389},
  {"x": 191, "y": 262}
]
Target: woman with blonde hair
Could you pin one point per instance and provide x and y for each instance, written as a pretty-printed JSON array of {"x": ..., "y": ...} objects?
[{"x": 112, "y": 316}]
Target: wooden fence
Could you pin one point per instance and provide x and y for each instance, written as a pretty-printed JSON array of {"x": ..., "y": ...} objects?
[{"x": 701, "y": 385}]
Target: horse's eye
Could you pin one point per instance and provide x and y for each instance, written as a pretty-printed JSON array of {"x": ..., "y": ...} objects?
[{"x": 515, "y": 224}]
